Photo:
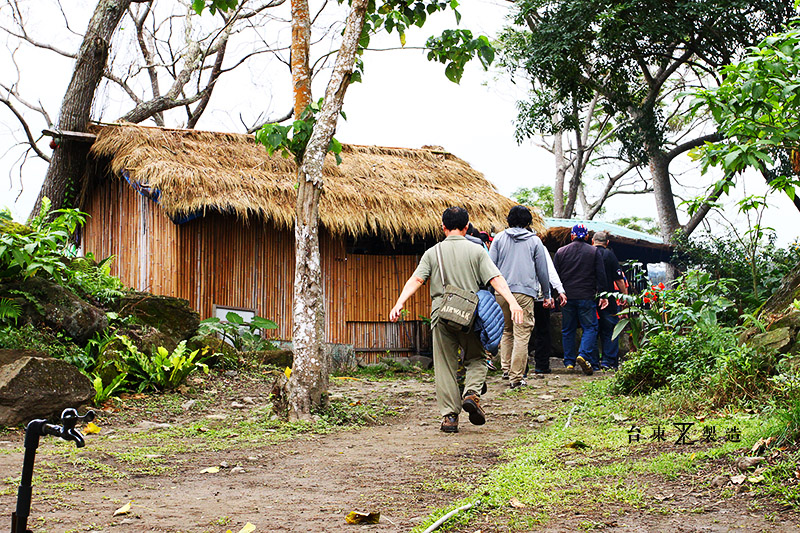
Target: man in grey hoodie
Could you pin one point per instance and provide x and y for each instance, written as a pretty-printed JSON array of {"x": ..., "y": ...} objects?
[{"x": 520, "y": 257}]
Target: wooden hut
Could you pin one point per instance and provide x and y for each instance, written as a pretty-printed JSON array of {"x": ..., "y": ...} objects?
[{"x": 209, "y": 217}]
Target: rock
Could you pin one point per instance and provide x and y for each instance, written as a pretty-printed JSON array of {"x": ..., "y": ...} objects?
[
  {"x": 231, "y": 373},
  {"x": 147, "y": 425},
  {"x": 248, "y": 400},
  {"x": 541, "y": 419},
  {"x": 38, "y": 387},
  {"x": 216, "y": 349},
  {"x": 746, "y": 463},
  {"x": 237, "y": 405},
  {"x": 47, "y": 303},
  {"x": 778, "y": 339},
  {"x": 783, "y": 297},
  {"x": 171, "y": 316},
  {"x": 421, "y": 361},
  {"x": 719, "y": 481},
  {"x": 188, "y": 404},
  {"x": 238, "y": 470},
  {"x": 279, "y": 358}
]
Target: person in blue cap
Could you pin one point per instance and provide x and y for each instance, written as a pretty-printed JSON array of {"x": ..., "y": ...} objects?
[{"x": 580, "y": 267}]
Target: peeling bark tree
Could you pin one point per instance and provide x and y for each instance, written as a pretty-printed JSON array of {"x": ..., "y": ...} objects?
[{"x": 309, "y": 381}]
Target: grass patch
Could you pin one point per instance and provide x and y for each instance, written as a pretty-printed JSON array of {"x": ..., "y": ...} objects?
[{"x": 592, "y": 466}]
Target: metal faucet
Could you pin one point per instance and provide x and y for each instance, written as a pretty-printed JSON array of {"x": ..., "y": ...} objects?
[{"x": 34, "y": 430}]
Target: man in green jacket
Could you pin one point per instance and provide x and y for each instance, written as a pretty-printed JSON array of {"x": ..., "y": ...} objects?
[{"x": 466, "y": 266}]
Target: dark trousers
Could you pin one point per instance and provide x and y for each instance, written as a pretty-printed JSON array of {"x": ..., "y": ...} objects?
[{"x": 540, "y": 346}]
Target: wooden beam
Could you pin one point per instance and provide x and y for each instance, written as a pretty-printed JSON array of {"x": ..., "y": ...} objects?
[{"x": 71, "y": 135}]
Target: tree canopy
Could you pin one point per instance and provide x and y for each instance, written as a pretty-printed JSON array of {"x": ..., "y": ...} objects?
[
  {"x": 757, "y": 110},
  {"x": 637, "y": 56}
]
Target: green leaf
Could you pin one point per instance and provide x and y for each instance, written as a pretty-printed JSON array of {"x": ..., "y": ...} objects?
[
  {"x": 263, "y": 323},
  {"x": 234, "y": 318},
  {"x": 198, "y": 6},
  {"x": 453, "y": 73},
  {"x": 619, "y": 327}
]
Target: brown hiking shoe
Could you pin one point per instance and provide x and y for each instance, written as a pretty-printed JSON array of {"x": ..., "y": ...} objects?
[
  {"x": 450, "y": 424},
  {"x": 472, "y": 405}
]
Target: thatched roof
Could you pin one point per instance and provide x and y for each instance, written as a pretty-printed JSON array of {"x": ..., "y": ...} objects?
[{"x": 389, "y": 191}]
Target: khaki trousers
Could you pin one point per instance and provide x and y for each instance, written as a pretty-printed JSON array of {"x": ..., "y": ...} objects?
[
  {"x": 447, "y": 340},
  {"x": 514, "y": 344}
]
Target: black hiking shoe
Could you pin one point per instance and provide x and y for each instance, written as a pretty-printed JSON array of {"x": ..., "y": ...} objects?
[
  {"x": 450, "y": 424},
  {"x": 585, "y": 366},
  {"x": 472, "y": 405}
]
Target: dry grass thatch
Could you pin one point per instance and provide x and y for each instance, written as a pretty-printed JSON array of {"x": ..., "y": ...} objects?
[{"x": 389, "y": 191}]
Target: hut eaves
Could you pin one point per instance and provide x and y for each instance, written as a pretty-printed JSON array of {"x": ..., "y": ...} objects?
[{"x": 376, "y": 190}]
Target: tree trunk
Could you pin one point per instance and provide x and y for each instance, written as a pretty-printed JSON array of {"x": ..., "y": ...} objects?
[
  {"x": 561, "y": 172},
  {"x": 662, "y": 190},
  {"x": 301, "y": 43},
  {"x": 308, "y": 386},
  {"x": 69, "y": 159}
]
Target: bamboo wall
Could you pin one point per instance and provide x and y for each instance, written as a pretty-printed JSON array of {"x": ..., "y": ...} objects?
[{"x": 220, "y": 260}]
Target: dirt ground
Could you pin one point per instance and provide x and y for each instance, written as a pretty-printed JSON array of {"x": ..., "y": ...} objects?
[{"x": 310, "y": 483}]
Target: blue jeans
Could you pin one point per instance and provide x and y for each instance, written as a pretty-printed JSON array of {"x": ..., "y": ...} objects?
[
  {"x": 605, "y": 328},
  {"x": 577, "y": 312}
]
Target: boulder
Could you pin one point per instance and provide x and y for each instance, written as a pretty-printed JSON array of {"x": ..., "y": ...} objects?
[
  {"x": 789, "y": 291},
  {"x": 422, "y": 361},
  {"x": 46, "y": 303},
  {"x": 33, "y": 386},
  {"x": 278, "y": 358},
  {"x": 778, "y": 339},
  {"x": 171, "y": 316}
]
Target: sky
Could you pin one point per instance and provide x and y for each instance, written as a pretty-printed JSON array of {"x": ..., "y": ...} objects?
[{"x": 404, "y": 101}]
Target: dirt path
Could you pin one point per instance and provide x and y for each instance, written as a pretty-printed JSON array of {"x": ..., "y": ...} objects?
[{"x": 308, "y": 483}]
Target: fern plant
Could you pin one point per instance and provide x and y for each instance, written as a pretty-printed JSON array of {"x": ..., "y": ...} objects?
[{"x": 9, "y": 310}]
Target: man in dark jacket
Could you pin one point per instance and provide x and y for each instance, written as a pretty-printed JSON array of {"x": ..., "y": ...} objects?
[
  {"x": 580, "y": 267},
  {"x": 607, "y": 318}
]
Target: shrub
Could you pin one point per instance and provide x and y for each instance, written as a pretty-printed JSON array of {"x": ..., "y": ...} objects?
[
  {"x": 42, "y": 247},
  {"x": 696, "y": 300},
  {"x": 242, "y": 335},
  {"x": 87, "y": 277},
  {"x": 159, "y": 371},
  {"x": 707, "y": 357},
  {"x": 39, "y": 339}
]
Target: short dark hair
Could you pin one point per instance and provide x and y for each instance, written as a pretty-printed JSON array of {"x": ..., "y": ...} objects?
[
  {"x": 519, "y": 217},
  {"x": 472, "y": 230},
  {"x": 455, "y": 218}
]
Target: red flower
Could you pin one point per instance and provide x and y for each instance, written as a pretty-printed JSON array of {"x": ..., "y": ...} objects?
[
  {"x": 646, "y": 300},
  {"x": 661, "y": 286}
]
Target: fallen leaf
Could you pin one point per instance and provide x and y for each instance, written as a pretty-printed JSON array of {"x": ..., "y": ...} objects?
[
  {"x": 288, "y": 372},
  {"x": 125, "y": 509},
  {"x": 516, "y": 504},
  {"x": 691, "y": 457},
  {"x": 210, "y": 470},
  {"x": 755, "y": 479},
  {"x": 248, "y": 528},
  {"x": 354, "y": 517},
  {"x": 619, "y": 418},
  {"x": 738, "y": 480},
  {"x": 91, "y": 428}
]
